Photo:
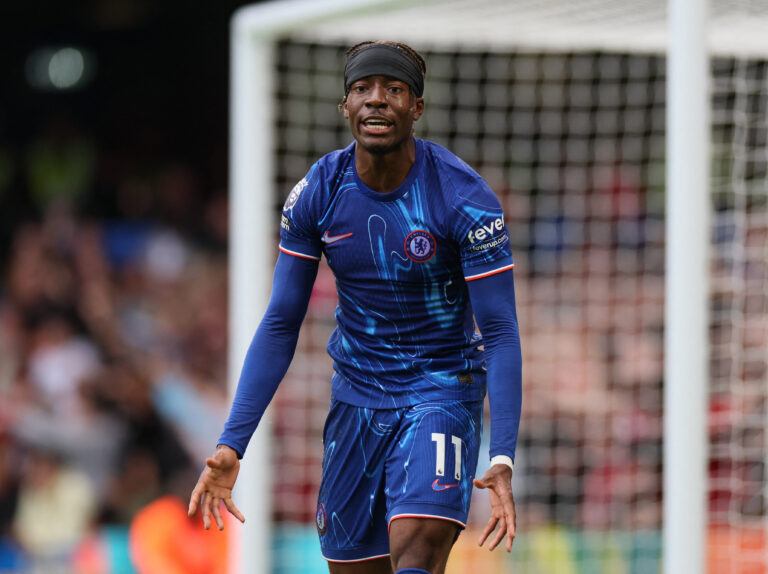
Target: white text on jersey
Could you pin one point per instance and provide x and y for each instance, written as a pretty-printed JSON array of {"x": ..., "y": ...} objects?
[{"x": 484, "y": 231}]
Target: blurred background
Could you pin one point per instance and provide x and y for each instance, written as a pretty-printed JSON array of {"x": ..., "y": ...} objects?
[
  {"x": 113, "y": 297},
  {"x": 113, "y": 300}
]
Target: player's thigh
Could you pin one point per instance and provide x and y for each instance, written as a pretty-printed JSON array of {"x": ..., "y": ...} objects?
[
  {"x": 376, "y": 566},
  {"x": 421, "y": 543},
  {"x": 431, "y": 466}
]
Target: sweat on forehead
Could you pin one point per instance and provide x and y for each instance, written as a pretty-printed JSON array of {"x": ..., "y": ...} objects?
[{"x": 383, "y": 60}]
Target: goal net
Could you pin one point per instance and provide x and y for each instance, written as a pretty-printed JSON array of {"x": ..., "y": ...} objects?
[{"x": 569, "y": 131}]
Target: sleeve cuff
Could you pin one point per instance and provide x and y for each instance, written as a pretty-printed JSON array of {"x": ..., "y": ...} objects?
[{"x": 503, "y": 459}]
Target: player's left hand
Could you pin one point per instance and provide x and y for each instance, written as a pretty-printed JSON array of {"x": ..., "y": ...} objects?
[
  {"x": 214, "y": 487},
  {"x": 498, "y": 481}
]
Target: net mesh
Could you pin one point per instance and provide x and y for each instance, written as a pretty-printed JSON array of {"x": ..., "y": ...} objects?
[
  {"x": 573, "y": 144},
  {"x": 739, "y": 329}
]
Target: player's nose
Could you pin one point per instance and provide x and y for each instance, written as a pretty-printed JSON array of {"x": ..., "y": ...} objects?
[{"x": 377, "y": 95}]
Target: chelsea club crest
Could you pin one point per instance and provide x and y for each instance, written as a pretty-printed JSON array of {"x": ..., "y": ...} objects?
[
  {"x": 320, "y": 520},
  {"x": 420, "y": 246}
]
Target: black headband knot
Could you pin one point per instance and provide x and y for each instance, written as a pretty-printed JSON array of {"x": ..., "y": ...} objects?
[{"x": 384, "y": 60}]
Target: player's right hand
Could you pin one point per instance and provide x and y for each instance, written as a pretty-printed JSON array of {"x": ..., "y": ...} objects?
[{"x": 215, "y": 486}]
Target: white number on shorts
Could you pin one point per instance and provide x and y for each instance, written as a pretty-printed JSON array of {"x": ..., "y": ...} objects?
[{"x": 439, "y": 439}]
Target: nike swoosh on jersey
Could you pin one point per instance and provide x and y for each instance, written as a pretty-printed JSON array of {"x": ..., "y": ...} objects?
[
  {"x": 328, "y": 239},
  {"x": 437, "y": 487}
]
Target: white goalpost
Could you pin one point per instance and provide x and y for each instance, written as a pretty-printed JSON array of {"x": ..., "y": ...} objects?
[
  {"x": 593, "y": 120},
  {"x": 686, "y": 331},
  {"x": 687, "y": 288}
]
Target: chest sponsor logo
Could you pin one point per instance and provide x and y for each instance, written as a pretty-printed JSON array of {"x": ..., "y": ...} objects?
[
  {"x": 420, "y": 246},
  {"x": 285, "y": 223},
  {"x": 293, "y": 197},
  {"x": 329, "y": 239},
  {"x": 488, "y": 235}
]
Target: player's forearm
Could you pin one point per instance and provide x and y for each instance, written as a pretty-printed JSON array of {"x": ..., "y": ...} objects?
[
  {"x": 265, "y": 365},
  {"x": 493, "y": 302},
  {"x": 271, "y": 350},
  {"x": 504, "y": 361}
]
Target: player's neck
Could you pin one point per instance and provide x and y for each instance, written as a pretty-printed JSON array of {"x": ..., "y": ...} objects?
[{"x": 385, "y": 172}]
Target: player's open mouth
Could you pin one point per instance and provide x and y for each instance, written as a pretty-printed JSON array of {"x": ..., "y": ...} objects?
[{"x": 376, "y": 124}]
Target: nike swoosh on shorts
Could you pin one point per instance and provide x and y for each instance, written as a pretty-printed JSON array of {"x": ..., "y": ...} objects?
[{"x": 436, "y": 486}]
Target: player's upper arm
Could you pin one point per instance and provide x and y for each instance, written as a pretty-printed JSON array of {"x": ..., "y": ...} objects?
[
  {"x": 480, "y": 232},
  {"x": 292, "y": 285},
  {"x": 301, "y": 212}
]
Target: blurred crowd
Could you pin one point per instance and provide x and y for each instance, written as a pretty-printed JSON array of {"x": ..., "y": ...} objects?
[{"x": 113, "y": 341}]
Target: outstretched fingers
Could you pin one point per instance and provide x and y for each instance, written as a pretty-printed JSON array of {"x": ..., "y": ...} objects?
[
  {"x": 211, "y": 506},
  {"x": 503, "y": 514},
  {"x": 216, "y": 511},
  {"x": 500, "y": 533},
  {"x": 205, "y": 510},
  {"x": 234, "y": 510},
  {"x": 495, "y": 520},
  {"x": 194, "y": 501},
  {"x": 489, "y": 527},
  {"x": 214, "y": 487},
  {"x": 510, "y": 517}
]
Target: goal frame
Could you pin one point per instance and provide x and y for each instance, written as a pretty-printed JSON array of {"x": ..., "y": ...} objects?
[
  {"x": 254, "y": 31},
  {"x": 687, "y": 290}
]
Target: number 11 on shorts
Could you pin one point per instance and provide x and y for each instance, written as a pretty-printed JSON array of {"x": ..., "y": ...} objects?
[{"x": 439, "y": 439}]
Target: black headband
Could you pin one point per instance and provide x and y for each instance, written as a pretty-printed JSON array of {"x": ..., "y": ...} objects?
[{"x": 384, "y": 60}]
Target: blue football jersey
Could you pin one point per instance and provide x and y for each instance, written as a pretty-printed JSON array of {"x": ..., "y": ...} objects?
[{"x": 405, "y": 331}]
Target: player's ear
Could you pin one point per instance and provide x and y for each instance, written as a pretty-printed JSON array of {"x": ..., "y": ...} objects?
[
  {"x": 343, "y": 107},
  {"x": 418, "y": 108}
]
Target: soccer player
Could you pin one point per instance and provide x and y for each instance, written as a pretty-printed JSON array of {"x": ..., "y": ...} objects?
[{"x": 418, "y": 246}]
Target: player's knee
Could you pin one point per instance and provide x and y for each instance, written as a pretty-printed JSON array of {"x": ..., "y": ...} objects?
[{"x": 421, "y": 556}]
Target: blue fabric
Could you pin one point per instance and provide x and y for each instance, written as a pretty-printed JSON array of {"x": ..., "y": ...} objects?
[
  {"x": 411, "y": 571},
  {"x": 12, "y": 557},
  {"x": 414, "y": 268},
  {"x": 384, "y": 464},
  {"x": 405, "y": 332},
  {"x": 493, "y": 301},
  {"x": 271, "y": 349}
]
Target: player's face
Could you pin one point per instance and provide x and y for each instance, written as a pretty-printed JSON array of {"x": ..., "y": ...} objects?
[{"x": 381, "y": 112}]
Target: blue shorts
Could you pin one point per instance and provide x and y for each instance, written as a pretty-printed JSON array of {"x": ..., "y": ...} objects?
[{"x": 384, "y": 464}]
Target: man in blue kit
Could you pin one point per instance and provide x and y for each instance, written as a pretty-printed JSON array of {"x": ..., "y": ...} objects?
[{"x": 417, "y": 243}]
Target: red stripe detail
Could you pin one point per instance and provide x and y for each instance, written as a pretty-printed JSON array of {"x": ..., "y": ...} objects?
[
  {"x": 489, "y": 273},
  {"x": 296, "y": 254}
]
